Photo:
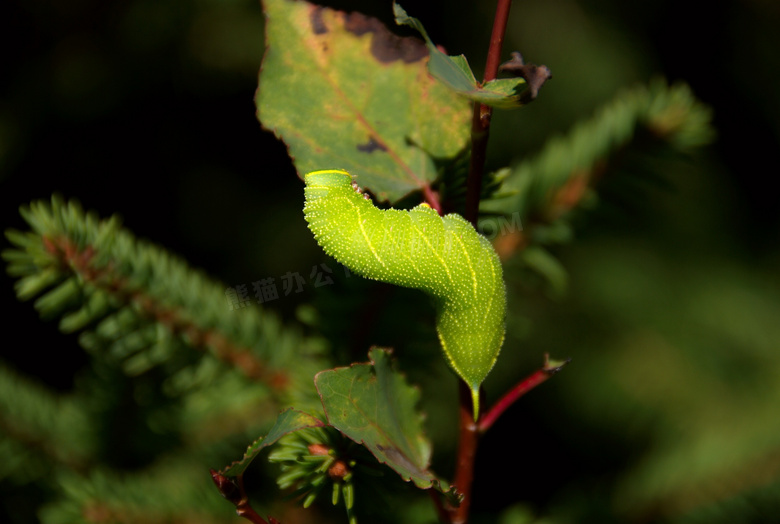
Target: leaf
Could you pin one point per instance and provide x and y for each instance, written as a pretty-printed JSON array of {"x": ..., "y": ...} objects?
[
  {"x": 443, "y": 256},
  {"x": 373, "y": 405},
  {"x": 455, "y": 72},
  {"x": 342, "y": 91},
  {"x": 288, "y": 421}
]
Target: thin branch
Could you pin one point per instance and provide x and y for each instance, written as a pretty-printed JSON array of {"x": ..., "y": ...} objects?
[
  {"x": 480, "y": 132},
  {"x": 54, "y": 449},
  {"x": 432, "y": 199},
  {"x": 232, "y": 488},
  {"x": 245, "y": 509},
  {"x": 467, "y": 451},
  {"x": 109, "y": 280},
  {"x": 480, "y": 123},
  {"x": 497, "y": 39},
  {"x": 523, "y": 387}
]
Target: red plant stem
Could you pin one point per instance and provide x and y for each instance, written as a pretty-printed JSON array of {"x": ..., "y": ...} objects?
[
  {"x": 233, "y": 490},
  {"x": 432, "y": 199},
  {"x": 480, "y": 131},
  {"x": 467, "y": 450},
  {"x": 511, "y": 396},
  {"x": 480, "y": 123},
  {"x": 244, "y": 509},
  {"x": 250, "y": 514},
  {"x": 497, "y": 39},
  {"x": 548, "y": 369}
]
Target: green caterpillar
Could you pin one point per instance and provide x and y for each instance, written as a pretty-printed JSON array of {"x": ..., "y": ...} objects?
[{"x": 443, "y": 256}]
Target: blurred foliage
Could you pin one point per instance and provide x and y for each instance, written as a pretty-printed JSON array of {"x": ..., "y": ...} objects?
[{"x": 668, "y": 410}]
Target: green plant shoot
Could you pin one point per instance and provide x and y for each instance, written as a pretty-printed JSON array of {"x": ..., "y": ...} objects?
[{"x": 443, "y": 256}]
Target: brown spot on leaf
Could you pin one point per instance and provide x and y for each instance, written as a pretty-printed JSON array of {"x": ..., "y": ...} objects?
[
  {"x": 371, "y": 146},
  {"x": 317, "y": 23},
  {"x": 386, "y": 46},
  {"x": 534, "y": 75}
]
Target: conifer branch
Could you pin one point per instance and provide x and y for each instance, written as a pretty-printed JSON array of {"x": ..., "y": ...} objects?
[
  {"x": 134, "y": 300},
  {"x": 649, "y": 120},
  {"x": 172, "y": 490},
  {"x": 44, "y": 425}
]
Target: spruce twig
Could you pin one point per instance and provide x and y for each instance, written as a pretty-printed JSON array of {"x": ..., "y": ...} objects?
[
  {"x": 644, "y": 122},
  {"x": 136, "y": 301}
]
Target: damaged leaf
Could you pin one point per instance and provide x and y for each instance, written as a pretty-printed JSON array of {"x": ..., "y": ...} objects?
[
  {"x": 344, "y": 92},
  {"x": 288, "y": 421},
  {"x": 455, "y": 72},
  {"x": 373, "y": 405}
]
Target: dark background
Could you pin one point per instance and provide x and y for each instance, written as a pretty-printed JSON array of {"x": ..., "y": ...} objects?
[{"x": 145, "y": 108}]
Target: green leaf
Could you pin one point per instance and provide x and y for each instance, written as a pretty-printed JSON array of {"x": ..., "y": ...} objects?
[
  {"x": 342, "y": 91},
  {"x": 452, "y": 70},
  {"x": 288, "y": 421},
  {"x": 455, "y": 72},
  {"x": 373, "y": 405}
]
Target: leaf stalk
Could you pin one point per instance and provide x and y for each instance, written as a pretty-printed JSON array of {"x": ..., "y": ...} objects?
[{"x": 524, "y": 386}]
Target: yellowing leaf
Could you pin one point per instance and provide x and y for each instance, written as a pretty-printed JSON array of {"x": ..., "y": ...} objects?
[{"x": 342, "y": 91}]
